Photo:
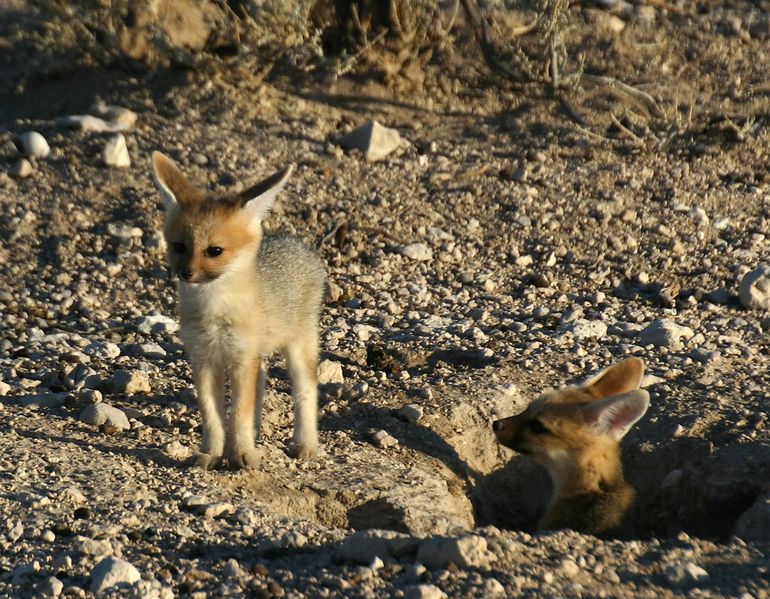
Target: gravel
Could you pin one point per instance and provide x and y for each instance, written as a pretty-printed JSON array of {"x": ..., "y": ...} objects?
[{"x": 540, "y": 254}]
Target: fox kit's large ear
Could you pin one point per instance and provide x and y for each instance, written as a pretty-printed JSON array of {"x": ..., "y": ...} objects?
[
  {"x": 170, "y": 181},
  {"x": 614, "y": 416},
  {"x": 619, "y": 378},
  {"x": 259, "y": 199}
]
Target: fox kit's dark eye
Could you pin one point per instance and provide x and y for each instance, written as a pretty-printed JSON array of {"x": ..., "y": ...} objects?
[
  {"x": 213, "y": 251},
  {"x": 537, "y": 428},
  {"x": 179, "y": 247}
]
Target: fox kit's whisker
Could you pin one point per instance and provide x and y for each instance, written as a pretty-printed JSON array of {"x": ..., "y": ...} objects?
[
  {"x": 575, "y": 433},
  {"x": 242, "y": 296}
]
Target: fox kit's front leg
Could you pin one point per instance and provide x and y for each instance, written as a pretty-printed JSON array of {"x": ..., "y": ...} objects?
[
  {"x": 302, "y": 360},
  {"x": 244, "y": 379},
  {"x": 210, "y": 387}
]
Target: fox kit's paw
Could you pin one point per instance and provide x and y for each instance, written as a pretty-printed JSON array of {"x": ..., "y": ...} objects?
[
  {"x": 248, "y": 458},
  {"x": 206, "y": 461},
  {"x": 303, "y": 451}
]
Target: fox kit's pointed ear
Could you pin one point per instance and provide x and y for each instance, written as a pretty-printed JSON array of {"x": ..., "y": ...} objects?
[
  {"x": 619, "y": 378},
  {"x": 170, "y": 181},
  {"x": 259, "y": 199},
  {"x": 614, "y": 416}
]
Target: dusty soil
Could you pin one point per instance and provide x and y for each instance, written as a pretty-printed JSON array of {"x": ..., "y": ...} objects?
[{"x": 544, "y": 222}]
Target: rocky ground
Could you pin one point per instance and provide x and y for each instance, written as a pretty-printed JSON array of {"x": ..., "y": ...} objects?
[{"x": 501, "y": 249}]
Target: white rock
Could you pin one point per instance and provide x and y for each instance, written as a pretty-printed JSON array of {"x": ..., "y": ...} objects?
[
  {"x": 130, "y": 382},
  {"x": 685, "y": 574},
  {"x": 424, "y": 591},
  {"x": 330, "y": 372},
  {"x": 493, "y": 588},
  {"x": 21, "y": 169},
  {"x": 110, "y": 572},
  {"x": 588, "y": 329},
  {"x": 34, "y": 144},
  {"x": 48, "y": 536},
  {"x": 50, "y": 587},
  {"x": 4, "y": 388},
  {"x": 115, "y": 152},
  {"x": 665, "y": 333},
  {"x": 755, "y": 288},
  {"x": 416, "y": 251},
  {"x": 525, "y": 260},
  {"x": 118, "y": 117},
  {"x": 203, "y": 506},
  {"x": 14, "y": 534},
  {"x": 374, "y": 140},
  {"x": 382, "y": 439},
  {"x": 177, "y": 451},
  {"x": 157, "y": 323},
  {"x": 102, "y": 413},
  {"x": 102, "y": 349},
  {"x": 364, "y": 331},
  {"x": 569, "y": 567},
  {"x": 699, "y": 215},
  {"x": 463, "y": 552},
  {"x": 124, "y": 231},
  {"x": 94, "y": 547},
  {"x": 411, "y": 413},
  {"x": 648, "y": 380}
]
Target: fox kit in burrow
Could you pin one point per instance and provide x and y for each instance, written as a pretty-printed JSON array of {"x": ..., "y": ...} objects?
[
  {"x": 242, "y": 296},
  {"x": 575, "y": 433}
]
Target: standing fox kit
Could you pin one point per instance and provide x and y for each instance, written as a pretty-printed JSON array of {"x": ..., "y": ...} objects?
[
  {"x": 575, "y": 433},
  {"x": 242, "y": 296}
]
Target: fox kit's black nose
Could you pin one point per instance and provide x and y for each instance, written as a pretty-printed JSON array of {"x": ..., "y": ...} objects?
[{"x": 185, "y": 273}]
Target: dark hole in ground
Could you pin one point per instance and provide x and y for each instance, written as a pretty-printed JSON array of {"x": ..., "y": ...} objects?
[{"x": 685, "y": 486}]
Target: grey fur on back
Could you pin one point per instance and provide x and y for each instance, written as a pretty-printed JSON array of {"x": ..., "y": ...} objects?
[{"x": 292, "y": 278}]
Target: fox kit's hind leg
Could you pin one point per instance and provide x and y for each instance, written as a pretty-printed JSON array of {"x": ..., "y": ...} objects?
[
  {"x": 240, "y": 448},
  {"x": 261, "y": 377},
  {"x": 302, "y": 361},
  {"x": 210, "y": 387}
]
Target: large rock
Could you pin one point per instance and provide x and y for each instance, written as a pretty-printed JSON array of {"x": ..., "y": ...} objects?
[
  {"x": 330, "y": 372},
  {"x": 464, "y": 552},
  {"x": 110, "y": 572},
  {"x": 34, "y": 145},
  {"x": 183, "y": 24},
  {"x": 755, "y": 288},
  {"x": 102, "y": 413},
  {"x": 130, "y": 382},
  {"x": 665, "y": 333},
  {"x": 374, "y": 140}
]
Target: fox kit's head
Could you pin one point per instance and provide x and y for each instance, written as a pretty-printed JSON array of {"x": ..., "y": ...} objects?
[
  {"x": 208, "y": 235},
  {"x": 566, "y": 429}
]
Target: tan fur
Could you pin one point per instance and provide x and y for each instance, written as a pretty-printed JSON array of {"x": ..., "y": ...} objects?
[
  {"x": 574, "y": 433},
  {"x": 242, "y": 297}
]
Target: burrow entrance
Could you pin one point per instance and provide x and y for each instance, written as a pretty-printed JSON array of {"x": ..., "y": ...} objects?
[{"x": 686, "y": 486}]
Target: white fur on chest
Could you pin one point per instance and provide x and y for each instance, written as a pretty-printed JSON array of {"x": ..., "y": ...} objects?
[{"x": 219, "y": 320}]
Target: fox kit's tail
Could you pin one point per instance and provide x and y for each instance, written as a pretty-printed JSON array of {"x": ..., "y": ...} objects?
[{"x": 575, "y": 432}]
